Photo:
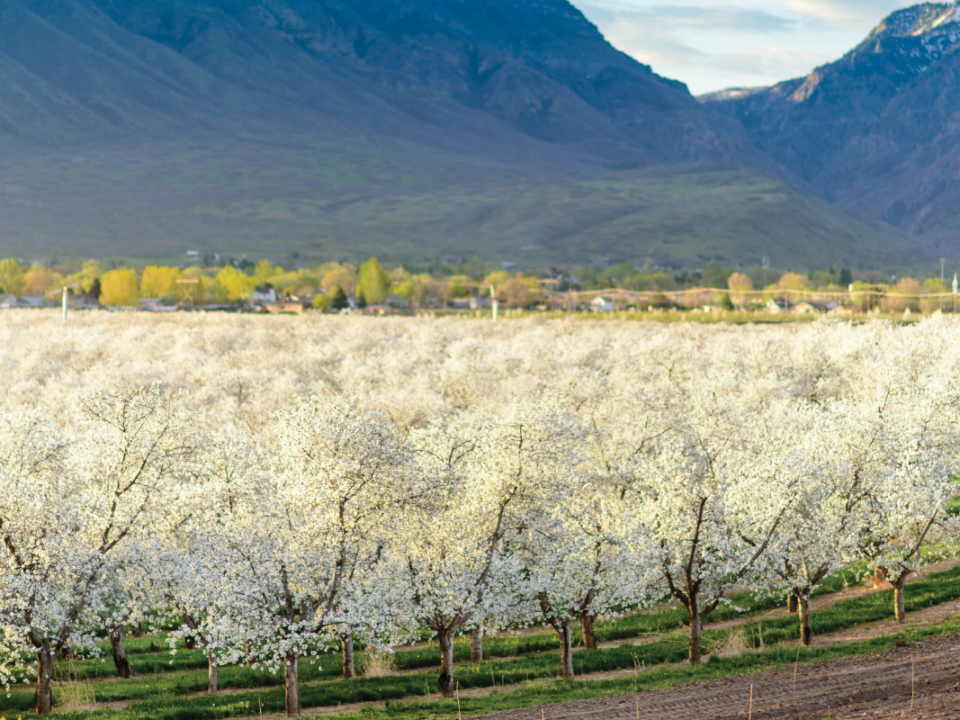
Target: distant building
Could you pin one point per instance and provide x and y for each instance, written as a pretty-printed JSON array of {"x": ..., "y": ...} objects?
[
  {"x": 601, "y": 304},
  {"x": 264, "y": 295},
  {"x": 36, "y": 301},
  {"x": 8, "y": 302},
  {"x": 156, "y": 305},
  {"x": 776, "y": 305},
  {"x": 808, "y": 307}
]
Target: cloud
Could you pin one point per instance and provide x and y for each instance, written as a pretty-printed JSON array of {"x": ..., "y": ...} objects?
[
  {"x": 712, "y": 44},
  {"x": 843, "y": 13},
  {"x": 770, "y": 61},
  {"x": 713, "y": 18}
]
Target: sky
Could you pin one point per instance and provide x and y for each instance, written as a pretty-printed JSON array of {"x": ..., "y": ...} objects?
[{"x": 717, "y": 44}]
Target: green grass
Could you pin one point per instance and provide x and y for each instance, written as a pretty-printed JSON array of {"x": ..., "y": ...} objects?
[
  {"x": 539, "y": 692},
  {"x": 532, "y": 659}
]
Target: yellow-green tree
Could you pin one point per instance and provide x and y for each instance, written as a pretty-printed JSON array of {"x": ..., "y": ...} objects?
[
  {"x": 495, "y": 280},
  {"x": 264, "y": 271},
  {"x": 86, "y": 278},
  {"x": 231, "y": 286},
  {"x": 39, "y": 279},
  {"x": 159, "y": 282},
  {"x": 904, "y": 295},
  {"x": 519, "y": 292},
  {"x": 118, "y": 288},
  {"x": 797, "y": 283},
  {"x": 374, "y": 282},
  {"x": 740, "y": 287},
  {"x": 195, "y": 286},
  {"x": 11, "y": 277},
  {"x": 334, "y": 274}
]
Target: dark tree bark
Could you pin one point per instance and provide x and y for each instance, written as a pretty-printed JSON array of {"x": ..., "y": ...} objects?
[
  {"x": 120, "y": 653},
  {"x": 806, "y": 632},
  {"x": 43, "y": 698},
  {"x": 793, "y": 603},
  {"x": 292, "y": 684},
  {"x": 696, "y": 630},
  {"x": 213, "y": 672},
  {"x": 899, "y": 608},
  {"x": 586, "y": 626},
  {"x": 349, "y": 665},
  {"x": 476, "y": 644},
  {"x": 446, "y": 663},
  {"x": 566, "y": 649}
]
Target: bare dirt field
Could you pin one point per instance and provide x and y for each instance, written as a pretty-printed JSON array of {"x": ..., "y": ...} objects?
[{"x": 917, "y": 682}]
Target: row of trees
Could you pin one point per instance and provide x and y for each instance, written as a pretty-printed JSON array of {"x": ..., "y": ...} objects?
[
  {"x": 906, "y": 294},
  {"x": 333, "y": 525},
  {"x": 371, "y": 283}
]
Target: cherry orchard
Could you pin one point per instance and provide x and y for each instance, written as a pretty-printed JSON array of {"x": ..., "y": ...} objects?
[{"x": 427, "y": 482}]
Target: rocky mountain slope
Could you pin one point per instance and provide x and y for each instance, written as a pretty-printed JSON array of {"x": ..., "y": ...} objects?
[
  {"x": 305, "y": 122},
  {"x": 878, "y": 130}
]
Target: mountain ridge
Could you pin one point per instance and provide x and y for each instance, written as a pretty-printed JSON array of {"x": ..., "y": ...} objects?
[
  {"x": 877, "y": 130},
  {"x": 340, "y": 107}
]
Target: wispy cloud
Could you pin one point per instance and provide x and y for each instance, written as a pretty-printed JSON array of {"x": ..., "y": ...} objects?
[{"x": 712, "y": 18}]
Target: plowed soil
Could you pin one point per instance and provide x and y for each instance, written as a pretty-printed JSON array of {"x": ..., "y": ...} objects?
[{"x": 918, "y": 682}]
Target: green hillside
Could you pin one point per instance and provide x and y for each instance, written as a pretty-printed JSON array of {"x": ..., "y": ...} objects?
[{"x": 323, "y": 200}]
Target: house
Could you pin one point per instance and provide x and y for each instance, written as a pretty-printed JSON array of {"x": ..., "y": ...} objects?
[
  {"x": 840, "y": 310},
  {"x": 8, "y": 302},
  {"x": 396, "y": 302},
  {"x": 284, "y": 306},
  {"x": 807, "y": 307},
  {"x": 36, "y": 301},
  {"x": 156, "y": 305},
  {"x": 601, "y": 304},
  {"x": 84, "y": 302},
  {"x": 264, "y": 294},
  {"x": 776, "y": 305}
]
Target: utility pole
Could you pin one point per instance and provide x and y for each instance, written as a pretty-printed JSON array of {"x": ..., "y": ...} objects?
[
  {"x": 942, "y": 262},
  {"x": 64, "y": 301}
]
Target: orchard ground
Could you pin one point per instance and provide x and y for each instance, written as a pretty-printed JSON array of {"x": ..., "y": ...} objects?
[{"x": 876, "y": 668}]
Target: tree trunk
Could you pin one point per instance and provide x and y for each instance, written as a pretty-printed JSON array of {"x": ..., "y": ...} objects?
[
  {"x": 586, "y": 626},
  {"x": 898, "y": 601},
  {"x": 446, "y": 663},
  {"x": 476, "y": 644},
  {"x": 67, "y": 653},
  {"x": 137, "y": 630},
  {"x": 566, "y": 650},
  {"x": 349, "y": 666},
  {"x": 213, "y": 673},
  {"x": 190, "y": 641},
  {"x": 43, "y": 699},
  {"x": 806, "y": 633},
  {"x": 696, "y": 628},
  {"x": 793, "y": 603},
  {"x": 292, "y": 684},
  {"x": 120, "y": 653}
]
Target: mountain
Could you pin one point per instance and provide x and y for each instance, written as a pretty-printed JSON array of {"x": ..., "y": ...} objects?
[
  {"x": 878, "y": 130},
  {"x": 324, "y": 127}
]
